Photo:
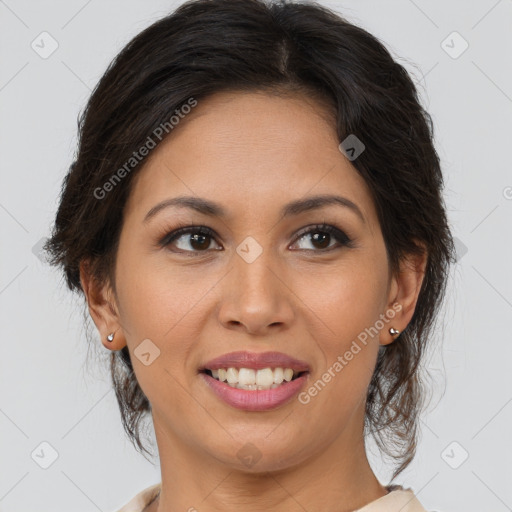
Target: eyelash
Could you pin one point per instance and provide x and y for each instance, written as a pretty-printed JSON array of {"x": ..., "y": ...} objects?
[{"x": 337, "y": 234}]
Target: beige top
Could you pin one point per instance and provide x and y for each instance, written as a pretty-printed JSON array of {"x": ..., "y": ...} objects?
[{"x": 398, "y": 500}]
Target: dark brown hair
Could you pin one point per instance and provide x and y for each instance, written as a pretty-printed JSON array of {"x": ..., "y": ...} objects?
[{"x": 208, "y": 46}]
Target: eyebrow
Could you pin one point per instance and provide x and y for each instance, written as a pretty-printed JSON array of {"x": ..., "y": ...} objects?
[{"x": 296, "y": 207}]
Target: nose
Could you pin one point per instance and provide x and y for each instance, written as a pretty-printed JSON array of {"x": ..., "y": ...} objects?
[{"x": 256, "y": 297}]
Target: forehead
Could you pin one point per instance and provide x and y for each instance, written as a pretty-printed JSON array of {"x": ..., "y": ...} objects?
[{"x": 250, "y": 149}]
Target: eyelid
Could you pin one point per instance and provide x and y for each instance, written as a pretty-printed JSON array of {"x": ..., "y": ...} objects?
[
  {"x": 177, "y": 231},
  {"x": 340, "y": 236}
]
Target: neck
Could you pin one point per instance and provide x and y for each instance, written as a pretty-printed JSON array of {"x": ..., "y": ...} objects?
[{"x": 337, "y": 478}]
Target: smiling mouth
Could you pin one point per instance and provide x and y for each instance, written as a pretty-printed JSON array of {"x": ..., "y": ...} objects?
[{"x": 254, "y": 379}]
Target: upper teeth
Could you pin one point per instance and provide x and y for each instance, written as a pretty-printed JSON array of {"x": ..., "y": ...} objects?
[{"x": 248, "y": 376}]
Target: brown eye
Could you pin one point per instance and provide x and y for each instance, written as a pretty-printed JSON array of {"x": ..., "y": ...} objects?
[
  {"x": 321, "y": 236},
  {"x": 200, "y": 241},
  {"x": 195, "y": 239},
  {"x": 322, "y": 239}
]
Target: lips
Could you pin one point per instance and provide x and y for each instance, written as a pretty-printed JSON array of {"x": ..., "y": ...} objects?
[
  {"x": 255, "y": 400},
  {"x": 257, "y": 361},
  {"x": 289, "y": 374}
]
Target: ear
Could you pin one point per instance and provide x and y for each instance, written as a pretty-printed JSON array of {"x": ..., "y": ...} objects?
[
  {"x": 403, "y": 293},
  {"x": 102, "y": 308}
]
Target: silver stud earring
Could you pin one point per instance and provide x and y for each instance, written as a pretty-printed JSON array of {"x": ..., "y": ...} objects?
[
  {"x": 110, "y": 337},
  {"x": 393, "y": 331}
]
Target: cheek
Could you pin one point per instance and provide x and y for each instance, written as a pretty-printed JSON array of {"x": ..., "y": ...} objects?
[
  {"x": 158, "y": 305},
  {"x": 154, "y": 294},
  {"x": 346, "y": 308},
  {"x": 164, "y": 304},
  {"x": 348, "y": 300}
]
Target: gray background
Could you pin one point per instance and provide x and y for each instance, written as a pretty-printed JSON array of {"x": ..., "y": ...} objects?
[{"x": 48, "y": 394}]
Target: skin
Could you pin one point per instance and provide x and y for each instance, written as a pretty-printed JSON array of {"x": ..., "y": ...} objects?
[{"x": 253, "y": 153}]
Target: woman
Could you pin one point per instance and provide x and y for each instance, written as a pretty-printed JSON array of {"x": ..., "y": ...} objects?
[{"x": 255, "y": 219}]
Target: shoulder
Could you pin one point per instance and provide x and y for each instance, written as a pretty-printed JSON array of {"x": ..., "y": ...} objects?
[
  {"x": 398, "y": 500},
  {"x": 142, "y": 499}
]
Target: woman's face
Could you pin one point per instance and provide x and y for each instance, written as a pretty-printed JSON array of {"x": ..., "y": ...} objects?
[{"x": 260, "y": 282}]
